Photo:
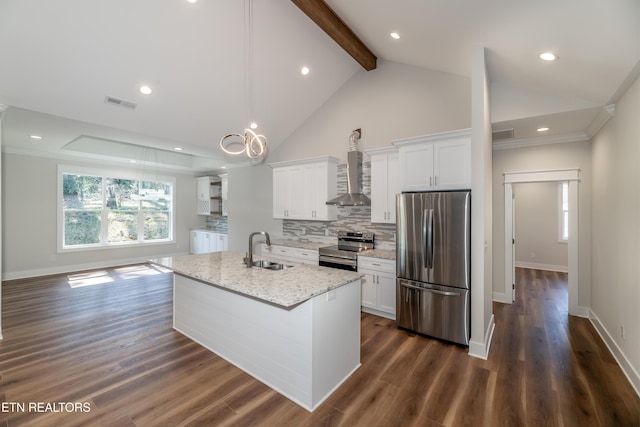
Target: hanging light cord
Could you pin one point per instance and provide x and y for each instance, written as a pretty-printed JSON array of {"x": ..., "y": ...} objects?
[{"x": 253, "y": 144}]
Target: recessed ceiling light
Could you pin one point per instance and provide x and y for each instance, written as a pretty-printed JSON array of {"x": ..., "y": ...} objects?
[
  {"x": 192, "y": 1},
  {"x": 132, "y": 161},
  {"x": 543, "y": 129},
  {"x": 304, "y": 70},
  {"x": 253, "y": 125},
  {"x": 177, "y": 148},
  {"x": 223, "y": 167},
  {"x": 145, "y": 90},
  {"x": 35, "y": 136},
  {"x": 395, "y": 35},
  {"x": 548, "y": 56}
]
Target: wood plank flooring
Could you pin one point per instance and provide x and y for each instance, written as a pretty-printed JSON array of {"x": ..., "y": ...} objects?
[{"x": 104, "y": 339}]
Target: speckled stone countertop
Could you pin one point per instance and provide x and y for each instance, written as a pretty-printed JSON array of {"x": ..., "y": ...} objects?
[
  {"x": 379, "y": 253},
  {"x": 285, "y": 288}
]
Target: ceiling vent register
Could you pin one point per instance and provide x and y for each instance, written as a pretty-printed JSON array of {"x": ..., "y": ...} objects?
[
  {"x": 501, "y": 135},
  {"x": 120, "y": 102}
]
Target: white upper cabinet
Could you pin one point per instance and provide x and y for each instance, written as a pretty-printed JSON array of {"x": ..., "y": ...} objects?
[
  {"x": 209, "y": 190},
  {"x": 435, "y": 162},
  {"x": 385, "y": 184},
  {"x": 301, "y": 189},
  {"x": 224, "y": 181}
]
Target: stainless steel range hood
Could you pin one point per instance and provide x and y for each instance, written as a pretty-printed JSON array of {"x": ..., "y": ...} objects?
[{"x": 354, "y": 196}]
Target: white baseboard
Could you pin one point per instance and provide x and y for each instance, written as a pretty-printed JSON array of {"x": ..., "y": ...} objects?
[
  {"x": 77, "y": 267},
  {"x": 546, "y": 267},
  {"x": 616, "y": 351},
  {"x": 481, "y": 350}
]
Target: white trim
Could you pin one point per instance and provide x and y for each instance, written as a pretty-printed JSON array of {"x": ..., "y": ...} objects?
[
  {"x": 616, "y": 352},
  {"x": 601, "y": 118},
  {"x": 538, "y": 141},
  {"x": 501, "y": 297},
  {"x": 545, "y": 267},
  {"x": 303, "y": 161},
  {"x": 571, "y": 175},
  {"x": 542, "y": 176},
  {"x": 434, "y": 137},
  {"x": 24, "y": 274},
  {"x": 481, "y": 350}
]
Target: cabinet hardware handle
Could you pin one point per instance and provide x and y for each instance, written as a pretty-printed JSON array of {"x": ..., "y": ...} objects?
[
  {"x": 435, "y": 180},
  {"x": 430, "y": 181}
]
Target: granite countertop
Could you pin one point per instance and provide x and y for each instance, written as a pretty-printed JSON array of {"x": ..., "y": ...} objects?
[
  {"x": 285, "y": 288},
  {"x": 379, "y": 253}
]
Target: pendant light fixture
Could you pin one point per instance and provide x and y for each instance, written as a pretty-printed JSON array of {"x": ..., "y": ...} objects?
[{"x": 248, "y": 142}]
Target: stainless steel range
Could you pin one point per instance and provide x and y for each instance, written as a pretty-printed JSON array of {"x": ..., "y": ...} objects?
[{"x": 344, "y": 255}]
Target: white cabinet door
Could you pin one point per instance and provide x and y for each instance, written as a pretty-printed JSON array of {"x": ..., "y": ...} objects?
[
  {"x": 224, "y": 181},
  {"x": 452, "y": 165},
  {"x": 386, "y": 293},
  {"x": 378, "y": 286},
  {"x": 436, "y": 162},
  {"x": 379, "y": 189},
  {"x": 198, "y": 243},
  {"x": 417, "y": 167},
  {"x": 393, "y": 185},
  {"x": 323, "y": 183},
  {"x": 385, "y": 184},
  {"x": 223, "y": 242},
  {"x": 212, "y": 242},
  {"x": 368, "y": 297},
  {"x": 301, "y": 190},
  {"x": 281, "y": 191}
]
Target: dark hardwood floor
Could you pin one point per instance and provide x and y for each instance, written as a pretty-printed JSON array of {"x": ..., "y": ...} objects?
[{"x": 104, "y": 339}]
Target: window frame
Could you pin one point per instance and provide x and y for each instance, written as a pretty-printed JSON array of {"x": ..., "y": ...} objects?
[
  {"x": 105, "y": 174},
  {"x": 563, "y": 214}
]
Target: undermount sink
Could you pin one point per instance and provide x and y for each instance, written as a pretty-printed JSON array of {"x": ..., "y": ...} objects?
[{"x": 270, "y": 265}]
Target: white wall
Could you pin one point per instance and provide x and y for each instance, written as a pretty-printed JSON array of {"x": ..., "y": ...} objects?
[
  {"x": 391, "y": 102},
  {"x": 615, "y": 296},
  {"x": 29, "y": 218},
  {"x": 537, "y": 227},
  {"x": 576, "y": 155}
]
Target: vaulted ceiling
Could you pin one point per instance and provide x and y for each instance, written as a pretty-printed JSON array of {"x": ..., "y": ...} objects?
[{"x": 60, "y": 60}]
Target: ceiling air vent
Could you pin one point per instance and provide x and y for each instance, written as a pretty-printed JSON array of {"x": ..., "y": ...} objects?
[
  {"x": 501, "y": 135},
  {"x": 120, "y": 102}
]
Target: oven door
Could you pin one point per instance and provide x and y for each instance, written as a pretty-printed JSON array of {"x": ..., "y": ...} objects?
[{"x": 335, "y": 262}]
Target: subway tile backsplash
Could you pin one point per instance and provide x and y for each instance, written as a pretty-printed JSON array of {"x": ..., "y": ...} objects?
[{"x": 349, "y": 218}]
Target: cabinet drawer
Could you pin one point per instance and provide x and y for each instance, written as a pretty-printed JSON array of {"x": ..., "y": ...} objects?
[{"x": 377, "y": 264}]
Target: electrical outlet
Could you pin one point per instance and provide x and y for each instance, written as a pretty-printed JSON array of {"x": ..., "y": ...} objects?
[
  {"x": 52, "y": 258},
  {"x": 326, "y": 231},
  {"x": 532, "y": 255},
  {"x": 303, "y": 231}
]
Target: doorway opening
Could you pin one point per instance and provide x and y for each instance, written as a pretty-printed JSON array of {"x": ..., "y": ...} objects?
[{"x": 564, "y": 175}]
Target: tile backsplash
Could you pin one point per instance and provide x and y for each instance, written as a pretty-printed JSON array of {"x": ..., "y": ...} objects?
[
  {"x": 217, "y": 223},
  {"x": 349, "y": 218}
]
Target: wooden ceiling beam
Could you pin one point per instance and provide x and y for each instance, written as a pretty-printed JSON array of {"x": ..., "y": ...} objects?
[{"x": 326, "y": 18}]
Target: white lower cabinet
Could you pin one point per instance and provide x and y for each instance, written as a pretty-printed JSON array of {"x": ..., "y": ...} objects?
[
  {"x": 207, "y": 241},
  {"x": 378, "y": 286},
  {"x": 290, "y": 254}
]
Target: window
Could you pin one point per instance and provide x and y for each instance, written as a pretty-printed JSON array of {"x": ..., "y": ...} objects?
[
  {"x": 564, "y": 211},
  {"x": 105, "y": 210}
]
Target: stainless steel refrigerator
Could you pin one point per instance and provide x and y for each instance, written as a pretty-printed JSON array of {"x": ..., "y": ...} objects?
[{"x": 433, "y": 264}]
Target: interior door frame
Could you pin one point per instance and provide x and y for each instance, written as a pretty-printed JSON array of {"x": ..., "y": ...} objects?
[{"x": 558, "y": 175}]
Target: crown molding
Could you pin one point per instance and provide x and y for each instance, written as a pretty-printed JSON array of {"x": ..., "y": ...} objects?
[
  {"x": 545, "y": 140},
  {"x": 603, "y": 117}
]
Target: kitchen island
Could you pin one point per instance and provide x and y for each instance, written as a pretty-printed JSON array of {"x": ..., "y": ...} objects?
[{"x": 297, "y": 330}]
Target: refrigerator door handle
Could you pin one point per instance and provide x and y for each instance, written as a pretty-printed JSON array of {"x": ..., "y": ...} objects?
[
  {"x": 429, "y": 225},
  {"x": 435, "y": 291}
]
